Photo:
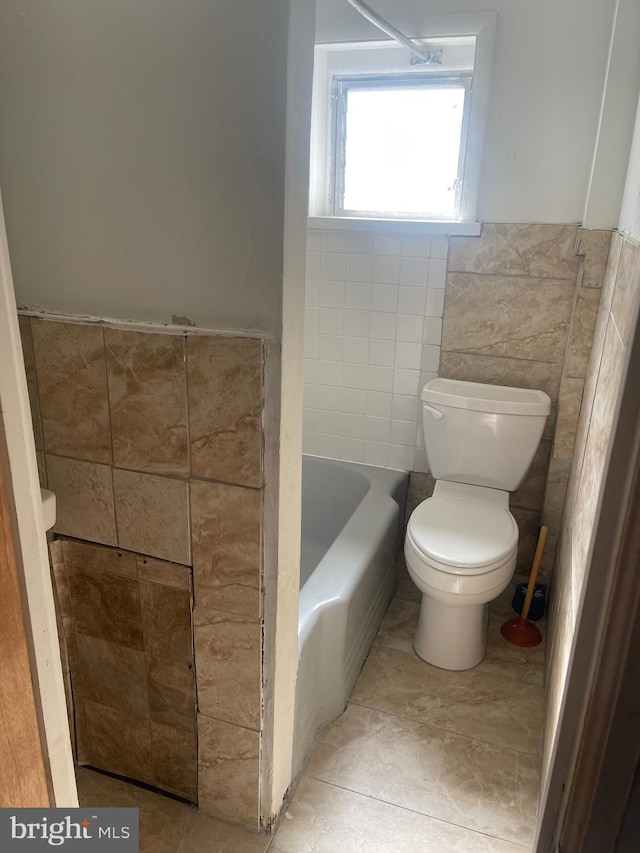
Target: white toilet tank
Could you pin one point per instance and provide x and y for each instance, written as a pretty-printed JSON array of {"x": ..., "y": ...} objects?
[{"x": 485, "y": 435}]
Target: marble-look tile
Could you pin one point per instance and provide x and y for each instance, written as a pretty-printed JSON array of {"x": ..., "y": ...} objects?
[
  {"x": 163, "y": 503},
  {"x": 84, "y": 499},
  {"x": 569, "y": 404},
  {"x": 507, "y": 316},
  {"x": 508, "y": 661},
  {"x": 225, "y": 405},
  {"x": 611, "y": 271},
  {"x": 228, "y": 652},
  {"x": 554, "y": 499},
  {"x": 26, "y": 340},
  {"x": 163, "y": 822},
  {"x": 603, "y": 416},
  {"x": 477, "y": 704},
  {"x": 527, "y": 665},
  {"x": 147, "y": 401},
  {"x": 582, "y": 329},
  {"x": 513, "y": 372},
  {"x": 166, "y": 622},
  {"x": 72, "y": 385},
  {"x": 327, "y": 819},
  {"x": 95, "y": 558},
  {"x": 112, "y": 675},
  {"x": 530, "y": 495},
  {"x": 205, "y": 835},
  {"x": 626, "y": 296},
  {"x": 543, "y": 251},
  {"x": 172, "y": 693},
  {"x": 167, "y": 574},
  {"x": 174, "y": 760},
  {"x": 225, "y": 524},
  {"x": 228, "y": 772},
  {"x": 119, "y": 742},
  {"x": 594, "y": 244},
  {"x": 430, "y": 771},
  {"x": 106, "y": 606}
]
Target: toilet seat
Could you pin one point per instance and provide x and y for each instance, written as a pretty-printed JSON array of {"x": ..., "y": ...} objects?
[{"x": 462, "y": 535}]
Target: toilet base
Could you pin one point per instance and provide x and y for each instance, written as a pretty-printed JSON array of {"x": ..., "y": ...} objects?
[{"x": 451, "y": 637}]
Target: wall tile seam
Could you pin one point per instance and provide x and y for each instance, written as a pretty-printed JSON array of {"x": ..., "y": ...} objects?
[
  {"x": 492, "y": 355},
  {"x": 198, "y": 479},
  {"x": 229, "y": 723},
  {"x": 502, "y": 274},
  {"x": 241, "y": 617}
]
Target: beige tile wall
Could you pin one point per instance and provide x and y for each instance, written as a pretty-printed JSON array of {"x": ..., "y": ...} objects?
[
  {"x": 520, "y": 306},
  {"x": 130, "y": 659},
  {"x": 603, "y": 383},
  {"x": 153, "y": 444}
]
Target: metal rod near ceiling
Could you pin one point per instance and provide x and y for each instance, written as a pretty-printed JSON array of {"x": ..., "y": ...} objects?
[{"x": 420, "y": 53}]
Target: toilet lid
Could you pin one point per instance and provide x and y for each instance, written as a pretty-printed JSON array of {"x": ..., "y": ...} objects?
[{"x": 463, "y": 533}]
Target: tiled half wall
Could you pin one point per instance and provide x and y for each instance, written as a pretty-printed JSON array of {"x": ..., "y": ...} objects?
[
  {"x": 605, "y": 378},
  {"x": 152, "y": 442},
  {"x": 515, "y": 306}
]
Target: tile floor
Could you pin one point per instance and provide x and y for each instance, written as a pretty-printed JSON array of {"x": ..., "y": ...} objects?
[{"x": 422, "y": 761}]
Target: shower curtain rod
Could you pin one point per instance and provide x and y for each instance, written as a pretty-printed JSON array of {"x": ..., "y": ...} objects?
[{"x": 420, "y": 53}]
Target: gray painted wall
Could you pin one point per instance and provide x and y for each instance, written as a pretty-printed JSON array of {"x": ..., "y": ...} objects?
[{"x": 142, "y": 157}]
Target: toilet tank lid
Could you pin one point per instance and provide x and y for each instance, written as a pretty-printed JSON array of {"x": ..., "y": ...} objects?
[{"x": 498, "y": 399}]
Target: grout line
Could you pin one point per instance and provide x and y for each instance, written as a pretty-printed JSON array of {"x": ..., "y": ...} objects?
[
  {"x": 415, "y": 811},
  {"x": 442, "y": 729},
  {"x": 526, "y": 276}
]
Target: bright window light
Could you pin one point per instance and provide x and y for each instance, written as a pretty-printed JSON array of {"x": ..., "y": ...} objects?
[{"x": 400, "y": 146}]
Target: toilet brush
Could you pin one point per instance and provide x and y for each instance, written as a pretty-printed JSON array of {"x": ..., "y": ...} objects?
[{"x": 520, "y": 631}]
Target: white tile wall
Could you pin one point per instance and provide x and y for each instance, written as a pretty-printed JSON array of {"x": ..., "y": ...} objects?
[{"x": 373, "y": 330}]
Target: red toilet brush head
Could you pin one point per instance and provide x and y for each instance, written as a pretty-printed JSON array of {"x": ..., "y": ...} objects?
[{"x": 521, "y": 632}]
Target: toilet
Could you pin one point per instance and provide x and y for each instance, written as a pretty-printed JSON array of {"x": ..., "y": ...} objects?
[{"x": 461, "y": 544}]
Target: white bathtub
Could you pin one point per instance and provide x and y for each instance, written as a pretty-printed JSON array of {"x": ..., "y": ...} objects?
[{"x": 351, "y": 536}]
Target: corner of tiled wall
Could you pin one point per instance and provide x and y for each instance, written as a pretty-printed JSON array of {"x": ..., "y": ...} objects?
[
  {"x": 593, "y": 250},
  {"x": 152, "y": 443},
  {"x": 618, "y": 287}
]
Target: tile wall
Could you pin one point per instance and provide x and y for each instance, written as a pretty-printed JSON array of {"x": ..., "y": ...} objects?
[
  {"x": 520, "y": 308},
  {"x": 152, "y": 443},
  {"x": 515, "y": 306},
  {"x": 373, "y": 327},
  {"x": 605, "y": 376},
  {"x": 129, "y": 657}
]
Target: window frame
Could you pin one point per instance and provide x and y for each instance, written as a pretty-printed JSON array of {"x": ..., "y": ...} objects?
[
  {"x": 334, "y": 38},
  {"x": 341, "y": 85}
]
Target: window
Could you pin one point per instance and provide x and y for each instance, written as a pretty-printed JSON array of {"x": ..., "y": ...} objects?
[
  {"x": 399, "y": 146},
  {"x": 394, "y": 140}
]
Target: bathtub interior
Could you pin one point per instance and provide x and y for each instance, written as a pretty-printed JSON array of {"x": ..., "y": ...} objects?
[
  {"x": 330, "y": 495},
  {"x": 353, "y": 515}
]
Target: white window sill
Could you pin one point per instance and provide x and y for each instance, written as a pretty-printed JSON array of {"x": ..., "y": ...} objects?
[{"x": 398, "y": 226}]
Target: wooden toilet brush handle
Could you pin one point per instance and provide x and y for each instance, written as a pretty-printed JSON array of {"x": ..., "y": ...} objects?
[{"x": 542, "y": 538}]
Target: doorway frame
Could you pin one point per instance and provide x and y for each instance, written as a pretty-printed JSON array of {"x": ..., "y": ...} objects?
[
  {"x": 595, "y": 752},
  {"x": 40, "y": 618}
]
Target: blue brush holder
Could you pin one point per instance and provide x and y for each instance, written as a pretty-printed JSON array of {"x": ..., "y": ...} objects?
[{"x": 538, "y": 601}]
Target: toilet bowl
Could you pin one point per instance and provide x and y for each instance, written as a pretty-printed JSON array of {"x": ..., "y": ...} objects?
[
  {"x": 461, "y": 544},
  {"x": 460, "y": 549}
]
